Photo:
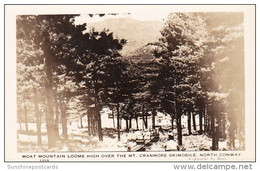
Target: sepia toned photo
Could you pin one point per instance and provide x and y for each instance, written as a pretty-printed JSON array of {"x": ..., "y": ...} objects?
[{"x": 151, "y": 85}]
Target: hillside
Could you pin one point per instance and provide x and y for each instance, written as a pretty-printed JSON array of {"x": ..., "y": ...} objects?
[{"x": 137, "y": 33}]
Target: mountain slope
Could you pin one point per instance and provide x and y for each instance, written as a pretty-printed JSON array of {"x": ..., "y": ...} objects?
[{"x": 137, "y": 33}]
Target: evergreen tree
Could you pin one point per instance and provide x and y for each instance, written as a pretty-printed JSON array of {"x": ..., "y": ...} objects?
[{"x": 178, "y": 51}]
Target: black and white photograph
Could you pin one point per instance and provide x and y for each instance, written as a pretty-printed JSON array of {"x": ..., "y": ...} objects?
[{"x": 167, "y": 81}]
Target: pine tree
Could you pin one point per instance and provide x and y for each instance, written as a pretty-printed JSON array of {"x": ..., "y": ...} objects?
[
  {"x": 48, "y": 34},
  {"x": 178, "y": 52}
]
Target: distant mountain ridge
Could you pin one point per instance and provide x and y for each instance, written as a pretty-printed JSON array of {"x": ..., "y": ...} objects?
[{"x": 137, "y": 33}]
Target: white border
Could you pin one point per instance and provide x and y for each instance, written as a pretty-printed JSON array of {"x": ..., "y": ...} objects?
[{"x": 117, "y": 166}]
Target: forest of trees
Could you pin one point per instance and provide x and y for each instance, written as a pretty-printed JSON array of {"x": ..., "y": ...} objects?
[{"x": 196, "y": 68}]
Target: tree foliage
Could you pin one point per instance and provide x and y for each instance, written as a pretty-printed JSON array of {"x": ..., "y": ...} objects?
[{"x": 195, "y": 68}]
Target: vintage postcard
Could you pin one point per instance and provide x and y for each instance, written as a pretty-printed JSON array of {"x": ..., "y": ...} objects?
[{"x": 129, "y": 83}]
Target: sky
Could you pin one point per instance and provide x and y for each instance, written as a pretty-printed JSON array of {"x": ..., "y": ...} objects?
[
  {"x": 146, "y": 15},
  {"x": 142, "y": 12}
]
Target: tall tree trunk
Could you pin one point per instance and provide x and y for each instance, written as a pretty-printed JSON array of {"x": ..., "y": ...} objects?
[
  {"x": 213, "y": 131},
  {"x": 219, "y": 121},
  {"x": 205, "y": 119},
  {"x": 208, "y": 119},
  {"x": 89, "y": 123},
  {"x": 146, "y": 122},
  {"x": 56, "y": 116},
  {"x": 130, "y": 122},
  {"x": 49, "y": 96},
  {"x": 136, "y": 119},
  {"x": 38, "y": 119},
  {"x": 99, "y": 124},
  {"x": 118, "y": 120},
  {"x": 50, "y": 122},
  {"x": 64, "y": 121},
  {"x": 127, "y": 127},
  {"x": 143, "y": 118},
  {"x": 194, "y": 122},
  {"x": 177, "y": 116},
  {"x": 26, "y": 119},
  {"x": 200, "y": 120},
  {"x": 172, "y": 119},
  {"x": 93, "y": 123},
  {"x": 153, "y": 118},
  {"x": 179, "y": 129},
  {"x": 205, "y": 124},
  {"x": 216, "y": 137},
  {"x": 189, "y": 122},
  {"x": 232, "y": 135},
  {"x": 224, "y": 127}
]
